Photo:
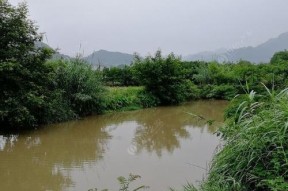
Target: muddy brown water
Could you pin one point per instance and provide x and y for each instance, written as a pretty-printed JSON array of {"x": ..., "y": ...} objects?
[{"x": 167, "y": 146}]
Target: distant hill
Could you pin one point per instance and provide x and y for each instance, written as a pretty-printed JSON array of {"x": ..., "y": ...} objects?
[
  {"x": 103, "y": 57},
  {"x": 106, "y": 58},
  {"x": 258, "y": 54},
  {"x": 55, "y": 56}
]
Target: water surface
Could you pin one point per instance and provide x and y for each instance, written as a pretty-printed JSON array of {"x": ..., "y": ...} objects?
[{"x": 167, "y": 146}]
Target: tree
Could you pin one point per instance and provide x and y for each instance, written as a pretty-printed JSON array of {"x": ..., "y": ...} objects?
[
  {"x": 26, "y": 82},
  {"x": 164, "y": 78},
  {"x": 81, "y": 86},
  {"x": 119, "y": 76},
  {"x": 280, "y": 57},
  {"x": 17, "y": 33}
]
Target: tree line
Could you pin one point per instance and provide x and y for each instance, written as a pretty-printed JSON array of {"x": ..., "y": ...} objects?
[{"x": 173, "y": 81}]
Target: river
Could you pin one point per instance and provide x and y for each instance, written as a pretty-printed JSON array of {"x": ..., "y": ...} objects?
[{"x": 166, "y": 146}]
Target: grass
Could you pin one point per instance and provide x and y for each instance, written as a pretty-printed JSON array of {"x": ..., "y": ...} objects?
[
  {"x": 123, "y": 98},
  {"x": 128, "y": 98}
]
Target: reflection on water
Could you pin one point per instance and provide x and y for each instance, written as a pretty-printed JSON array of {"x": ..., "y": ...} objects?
[
  {"x": 34, "y": 161},
  {"x": 93, "y": 152},
  {"x": 161, "y": 129}
]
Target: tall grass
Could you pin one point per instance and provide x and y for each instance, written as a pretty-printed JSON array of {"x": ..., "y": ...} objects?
[
  {"x": 255, "y": 154},
  {"x": 128, "y": 98},
  {"x": 122, "y": 98}
]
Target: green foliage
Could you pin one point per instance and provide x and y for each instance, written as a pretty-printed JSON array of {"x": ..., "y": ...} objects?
[
  {"x": 81, "y": 86},
  {"x": 255, "y": 155},
  {"x": 147, "y": 99},
  {"x": 26, "y": 84},
  {"x": 17, "y": 33},
  {"x": 34, "y": 92},
  {"x": 280, "y": 57},
  {"x": 224, "y": 91},
  {"x": 122, "y": 98},
  {"x": 245, "y": 72},
  {"x": 172, "y": 81},
  {"x": 232, "y": 110},
  {"x": 28, "y": 95},
  {"x": 119, "y": 76},
  {"x": 128, "y": 98},
  {"x": 163, "y": 77},
  {"x": 201, "y": 74}
]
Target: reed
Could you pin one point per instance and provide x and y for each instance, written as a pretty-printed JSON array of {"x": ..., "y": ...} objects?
[{"x": 255, "y": 154}]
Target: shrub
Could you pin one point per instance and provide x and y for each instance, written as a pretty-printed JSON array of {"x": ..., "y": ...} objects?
[
  {"x": 17, "y": 33},
  {"x": 163, "y": 77},
  {"x": 26, "y": 91},
  {"x": 224, "y": 91},
  {"x": 81, "y": 85},
  {"x": 280, "y": 57},
  {"x": 147, "y": 99}
]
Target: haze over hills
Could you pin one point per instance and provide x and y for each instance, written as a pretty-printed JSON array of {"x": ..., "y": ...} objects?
[
  {"x": 258, "y": 54},
  {"x": 107, "y": 58},
  {"x": 103, "y": 58}
]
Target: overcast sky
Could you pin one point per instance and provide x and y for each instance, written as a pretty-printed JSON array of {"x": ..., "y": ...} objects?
[{"x": 143, "y": 26}]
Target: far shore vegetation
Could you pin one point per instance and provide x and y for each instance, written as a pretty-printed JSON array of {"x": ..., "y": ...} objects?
[{"x": 36, "y": 90}]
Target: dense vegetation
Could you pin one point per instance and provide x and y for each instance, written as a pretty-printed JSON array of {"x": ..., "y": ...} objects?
[
  {"x": 26, "y": 93},
  {"x": 34, "y": 91},
  {"x": 164, "y": 78},
  {"x": 172, "y": 81}
]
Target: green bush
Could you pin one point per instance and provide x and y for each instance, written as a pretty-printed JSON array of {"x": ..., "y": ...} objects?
[
  {"x": 147, "y": 99},
  {"x": 224, "y": 91},
  {"x": 81, "y": 86},
  {"x": 17, "y": 33},
  {"x": 280, "y": 57},
  {"x": 119, "y": 76},
  {"x": 163, "y": 77},
  {"x": 28, "y": 96},
  {"x": 25, "y": 79}
]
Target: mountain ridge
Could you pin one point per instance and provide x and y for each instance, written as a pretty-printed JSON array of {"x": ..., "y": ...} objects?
[
  {"x": 108, "y": 58},
  {"x": 261, "y": 53}
]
